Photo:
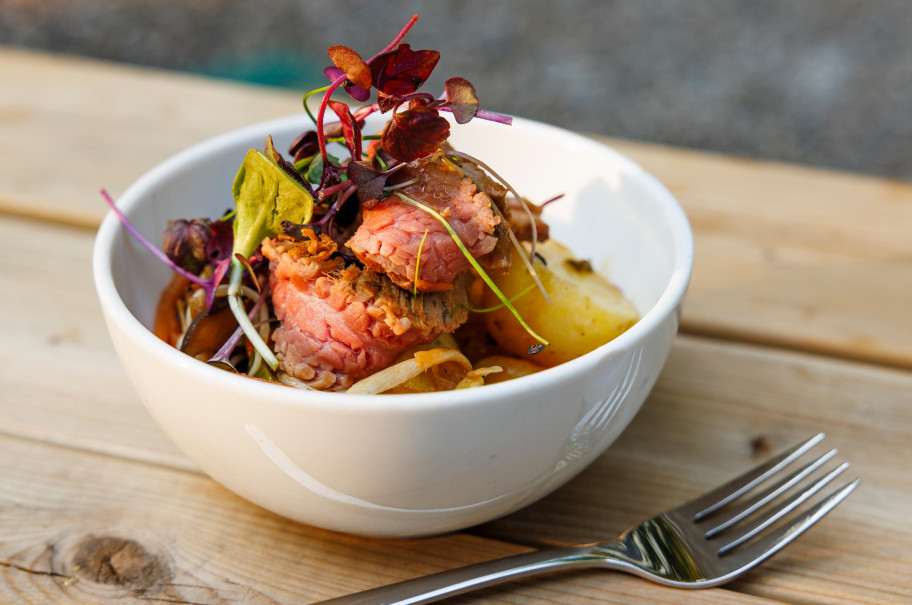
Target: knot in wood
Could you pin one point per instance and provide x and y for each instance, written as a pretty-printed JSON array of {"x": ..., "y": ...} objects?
[{"x": 117, "y": 561}]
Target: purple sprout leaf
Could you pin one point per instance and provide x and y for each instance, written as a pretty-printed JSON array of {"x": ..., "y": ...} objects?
[
  {"x": 219, "y": 271},
  {"x": 381, "y": 156},
  {"x": 350, "y": 128},
  {"x": 305, "y": 146},
  {"x": 219, "y": 247},
  {"x": 415, "y": 133},
  {"x": 369, "y": 180},
  {"x": 354, "y": 91},
  {"x": 461, "y": 99},
  {"x": 403, "y": 71},
  {"x": 387, "y": 102}
]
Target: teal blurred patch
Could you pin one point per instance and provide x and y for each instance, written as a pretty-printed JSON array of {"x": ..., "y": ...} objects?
[{"x": 281, "y": 68}]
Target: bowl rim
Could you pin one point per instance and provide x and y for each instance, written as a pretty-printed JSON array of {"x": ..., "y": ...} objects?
[{"x": 116, "y": 310}]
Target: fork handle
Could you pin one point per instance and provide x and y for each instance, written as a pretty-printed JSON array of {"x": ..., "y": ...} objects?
[{"x": 434, "y": 587}]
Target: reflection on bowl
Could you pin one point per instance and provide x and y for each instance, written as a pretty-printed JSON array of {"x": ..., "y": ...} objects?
[{"x": 407, "y": 465}]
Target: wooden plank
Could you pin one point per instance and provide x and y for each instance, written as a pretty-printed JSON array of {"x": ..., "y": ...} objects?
[
  {"x": 791, "y": 256},
  {"x": 72, "y": 126},
  {"x": 694, "y": 432},
  {"x": 61, "y": 380},
  {"x": 719, "y": 409},
  {"x": 83, "y": 528}
]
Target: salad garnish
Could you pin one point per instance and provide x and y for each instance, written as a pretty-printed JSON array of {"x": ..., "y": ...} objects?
[{"x": 361, "y": 248}]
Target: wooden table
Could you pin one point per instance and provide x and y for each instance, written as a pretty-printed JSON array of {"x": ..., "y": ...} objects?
[{"x": 797, "y": 321}]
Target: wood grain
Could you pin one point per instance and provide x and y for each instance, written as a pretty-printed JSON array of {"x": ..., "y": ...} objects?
[
  {"x": 70, "y": 126},
  {"x": 84, "y": 528},
  {"x": 61, "y": 380}
]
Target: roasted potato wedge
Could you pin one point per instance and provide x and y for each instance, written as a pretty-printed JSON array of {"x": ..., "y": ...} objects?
[
  {"x": 586, "y": 310},
  {"x": 511, "y": 368}
]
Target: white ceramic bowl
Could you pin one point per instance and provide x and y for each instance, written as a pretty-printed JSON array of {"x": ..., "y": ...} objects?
[{"x": 407, "y": 465}]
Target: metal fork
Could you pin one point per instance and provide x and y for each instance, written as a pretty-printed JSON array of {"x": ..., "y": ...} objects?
[{"x": 703, "y": 543}]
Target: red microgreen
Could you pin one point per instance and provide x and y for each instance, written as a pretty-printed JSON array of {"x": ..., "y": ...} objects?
[
  {"x": 219, "y": 247},
  {"x": 415, "y": 133},
  {"x": 403, "y": 70},
  {"x": 219, "y": 271},
  {"x": 351, "y": 63},
  {"x": 551, "y": 200},
  {"x": 396, "y": 72},
  {"x": 354, "y": 91},
  {"x": 350, "y": 129},
  {"x": 367, "y": 179},
  {"x": 461, "y": 99}
]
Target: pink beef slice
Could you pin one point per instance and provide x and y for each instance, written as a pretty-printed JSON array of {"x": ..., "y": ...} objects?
[
  {"x": 391, "y": 233},
  {"x": 341, "y": 323}
]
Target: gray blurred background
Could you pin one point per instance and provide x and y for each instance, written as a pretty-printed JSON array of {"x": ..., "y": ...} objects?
[{"x": 818, "y": 82}]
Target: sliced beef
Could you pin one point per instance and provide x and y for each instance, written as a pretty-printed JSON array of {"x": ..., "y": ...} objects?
[
  {"x": 391, "y": 233},
  {"x": 498, "y": 259},
  {"x": 340, "y": 323},
  {"x": 522, "y": 225}
]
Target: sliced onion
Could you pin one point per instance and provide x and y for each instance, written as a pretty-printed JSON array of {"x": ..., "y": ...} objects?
[
  {"x": 291, "y": 381},
  {"x": 476, "y": 377},
  {"x": 404, "y": 371}
]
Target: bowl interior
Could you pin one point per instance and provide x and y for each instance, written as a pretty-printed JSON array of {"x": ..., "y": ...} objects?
[{"x": 611, "y": 213}]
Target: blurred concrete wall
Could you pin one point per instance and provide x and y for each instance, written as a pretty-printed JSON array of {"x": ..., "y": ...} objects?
[{"x": 821, "y": 82}]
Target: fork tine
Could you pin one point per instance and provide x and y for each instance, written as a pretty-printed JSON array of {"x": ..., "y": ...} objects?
[
  {"x": 711, "y": 502},
  {"x": 771, "y": 544},
  {"x": 783, "y": 509},
  {"x": 760, "y": 500}
]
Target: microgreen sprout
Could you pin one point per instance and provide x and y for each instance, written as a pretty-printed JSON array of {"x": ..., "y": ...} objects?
[
  {"x": 208, "y": 285},
  {"x": 222, "y": 357},
  {"x": 551, "y": 200},
  {"x": 418, "y": 260},
  {"x": 496, "y": 307},
  {"x": 396, "y": 73}
]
